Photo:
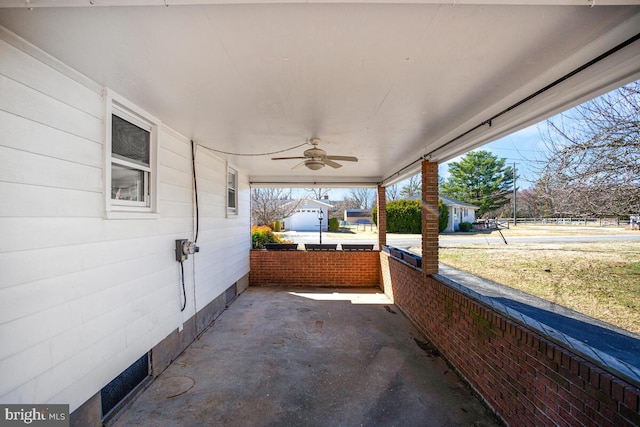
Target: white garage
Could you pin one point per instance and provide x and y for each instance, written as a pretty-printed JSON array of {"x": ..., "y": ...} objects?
[{"x": 305, "y": 217}]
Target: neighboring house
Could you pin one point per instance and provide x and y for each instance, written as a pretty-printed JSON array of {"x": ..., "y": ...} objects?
[
  {"x": 458, "y": 212},
  {"x": 305, "y": 216},
  {"x": 356, "y": 216}
]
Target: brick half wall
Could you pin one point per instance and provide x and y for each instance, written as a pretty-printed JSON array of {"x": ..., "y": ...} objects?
[
  {"x": 315, "y": 268},
  {"x": 525, "y": 377}
]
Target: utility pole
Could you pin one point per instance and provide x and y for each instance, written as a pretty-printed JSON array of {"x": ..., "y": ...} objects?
[{"x": 515, "y": 219}]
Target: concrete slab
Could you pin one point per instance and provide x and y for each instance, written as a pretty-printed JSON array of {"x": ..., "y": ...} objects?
[{"x": 317, "y": 357}]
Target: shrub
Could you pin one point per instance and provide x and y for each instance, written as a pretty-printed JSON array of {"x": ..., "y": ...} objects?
[
  {"x": 404, "y": 216},
  {"x": 277, "y": 226},
  {"x": 334, "y": 224},
  {"x": 374, "y": 215},
  {"x": 466, "y": 226},
  {"x": 443, "y": 216},
  {"x": 261, "y": 235}
]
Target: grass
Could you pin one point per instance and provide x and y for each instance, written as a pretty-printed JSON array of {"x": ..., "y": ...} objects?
[{"x": 601, "y": 280}]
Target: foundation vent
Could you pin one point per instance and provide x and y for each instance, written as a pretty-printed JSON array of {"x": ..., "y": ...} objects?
[{"x": 115, "y": 393}]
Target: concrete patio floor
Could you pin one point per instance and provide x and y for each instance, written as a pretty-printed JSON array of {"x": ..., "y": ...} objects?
[{"x": 309, "y": 357}]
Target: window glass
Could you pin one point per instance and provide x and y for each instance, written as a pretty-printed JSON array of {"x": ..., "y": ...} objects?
[
  {"x": 127, "y": 183},
  {"x": 129, "y": 142},
  {"x": 231, "y": 191},
  {"x": 130, "y": 162}
]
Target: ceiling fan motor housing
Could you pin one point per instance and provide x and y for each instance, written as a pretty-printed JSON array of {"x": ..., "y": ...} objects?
[
  {"x": 314, "y": 152},
  {"x": 314, "y": 164},
  {"x": 316, "y": 158}
]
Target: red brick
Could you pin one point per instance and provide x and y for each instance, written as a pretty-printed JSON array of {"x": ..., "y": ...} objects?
[
  {"x": 594, "y": 378},
  {"x": 605, "y": 383},
  {"x": 631, "y": 398},
  {"x": 585, "y": 372},
  {"x": 580, "y": 417},
  {"x": 617, "y": 389},
  {"x": 633, "y": 417}
]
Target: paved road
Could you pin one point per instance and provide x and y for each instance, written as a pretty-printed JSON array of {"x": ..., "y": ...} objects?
[{"x": 408, "y": 240}]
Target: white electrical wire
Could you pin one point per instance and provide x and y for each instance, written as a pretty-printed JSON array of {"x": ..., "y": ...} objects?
[{"x": 253, "y": 154}]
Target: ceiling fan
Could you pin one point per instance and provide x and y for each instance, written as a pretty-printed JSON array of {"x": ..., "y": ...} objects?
[{"x": 315, "y": 158}]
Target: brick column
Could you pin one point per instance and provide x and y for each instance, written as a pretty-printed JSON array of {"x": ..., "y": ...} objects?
[
  {"x": 429, "y": 218},
  {"x": 382, "y": 216}
]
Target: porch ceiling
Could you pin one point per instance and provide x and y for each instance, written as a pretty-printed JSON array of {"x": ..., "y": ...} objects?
[{"x": 388, "y": 82}]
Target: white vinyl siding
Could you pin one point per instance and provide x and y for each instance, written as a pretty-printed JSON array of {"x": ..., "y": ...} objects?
[{"x": 81, "y": 296}]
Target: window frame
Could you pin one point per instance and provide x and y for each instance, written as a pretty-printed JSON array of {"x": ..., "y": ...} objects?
[
  {"x": 120, "y": 107},
  {"x": 232, "y": 211}
]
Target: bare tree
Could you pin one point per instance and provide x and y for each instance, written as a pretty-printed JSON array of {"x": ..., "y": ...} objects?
[
  {"x": 317, "y": 193},
  {"x": 593, "y": 162},
  {"x": 413, "y": 188},
  {"x": 271, "y": 204},
  {"x": 362, "y": 198},
  {"x": 392, "y": 193}
]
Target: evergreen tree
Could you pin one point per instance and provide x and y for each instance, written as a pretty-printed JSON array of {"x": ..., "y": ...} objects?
[{"x": 479, "y": 178}]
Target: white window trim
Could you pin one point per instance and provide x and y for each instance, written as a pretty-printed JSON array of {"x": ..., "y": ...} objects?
[
  {"x": 115, "y": 103},
  {"x": 231, "y": 212}
]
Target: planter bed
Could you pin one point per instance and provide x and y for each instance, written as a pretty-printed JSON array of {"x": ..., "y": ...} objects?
[
  {"x": 320, "y": 247},
  {"x": 412, "y": 259},
  {"x": 395, "y": 252},
  {"x": 356, "y": 247},
  {"x": 281, "y": 246}
]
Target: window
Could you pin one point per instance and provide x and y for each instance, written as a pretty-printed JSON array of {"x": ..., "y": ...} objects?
[
  {"x": 232, "y": 192},
  {"x": 130, "y": 162},
  {"x": 130, "y": 169}
]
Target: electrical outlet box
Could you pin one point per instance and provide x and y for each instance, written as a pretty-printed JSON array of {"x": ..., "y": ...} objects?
[
  {"x": 184, "y": 248},
  {"x": 181, "y": 255}
]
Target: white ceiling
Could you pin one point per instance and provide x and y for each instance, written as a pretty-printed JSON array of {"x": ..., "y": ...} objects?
[{"x": 383, "y": 81}]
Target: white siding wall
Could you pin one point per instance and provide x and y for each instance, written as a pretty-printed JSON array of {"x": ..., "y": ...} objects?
[
  {"x": 82, "y": 297},
  {"x": 469, "y": 215}
]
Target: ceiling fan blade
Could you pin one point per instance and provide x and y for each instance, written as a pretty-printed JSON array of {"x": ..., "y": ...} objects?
[
  {"x": 287, "y": 158},
  {"x": 331, "y": 163},
  {"x": 299, "y": 164},
  {"x": 343, "y": 158}
]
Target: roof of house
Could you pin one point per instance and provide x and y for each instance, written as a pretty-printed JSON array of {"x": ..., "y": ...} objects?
[
  {"x": 311, "y": 201},
  {"x": 453, "y": 202},
  {"x": 358, "y": 211}
]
